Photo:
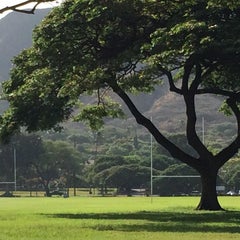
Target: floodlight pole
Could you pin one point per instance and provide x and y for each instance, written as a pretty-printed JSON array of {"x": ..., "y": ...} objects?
[
  {"x": 151, "y": 158},
  {"x": 15, "y": 167},
  {"x": 203, "y": 131}
]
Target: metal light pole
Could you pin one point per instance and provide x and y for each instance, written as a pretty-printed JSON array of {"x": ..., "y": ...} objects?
[
  {"x": 203, "y": 130},
  {"x": 151, "y": 167},
  {"x": 15, "y": 167},
  {"x": 151, "y": 158}
]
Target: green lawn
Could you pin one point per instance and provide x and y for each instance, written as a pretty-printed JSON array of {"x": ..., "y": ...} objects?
[{"x": 133, "y": 218}]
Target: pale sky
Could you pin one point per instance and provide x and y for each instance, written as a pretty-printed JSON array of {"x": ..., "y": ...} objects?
[{"x": 8, "y": 3}]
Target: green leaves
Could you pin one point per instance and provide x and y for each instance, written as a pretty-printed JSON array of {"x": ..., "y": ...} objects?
[
  {"x": 223, "y": 3},
  {"x": 84, "y": 46},
  {"x": 94, "y": 115}
]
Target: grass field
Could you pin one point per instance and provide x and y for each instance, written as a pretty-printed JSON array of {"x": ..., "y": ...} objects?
[{"x": 117, "y": 218}]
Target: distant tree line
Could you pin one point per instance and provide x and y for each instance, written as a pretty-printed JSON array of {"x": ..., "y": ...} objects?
[{"x": 105, "y": 159}]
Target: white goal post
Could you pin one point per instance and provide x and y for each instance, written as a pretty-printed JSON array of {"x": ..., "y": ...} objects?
[
  {"x": 14, "y": 171},
  {"x": 170, "y": 176},
  {"x": 7, "y": 185},
  {"x": 166, "y": 176}
]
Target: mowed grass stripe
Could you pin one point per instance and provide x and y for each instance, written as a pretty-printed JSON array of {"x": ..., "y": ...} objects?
[{"x": 117, "y": 218}]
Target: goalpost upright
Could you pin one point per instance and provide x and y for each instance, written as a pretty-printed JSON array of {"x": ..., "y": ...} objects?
[
  {"x": 170, "y": 176},
  {"x": 14, "y": 171}
]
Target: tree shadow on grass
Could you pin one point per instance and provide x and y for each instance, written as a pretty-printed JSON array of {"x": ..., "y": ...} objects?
[{"x": 217, "y": 222}]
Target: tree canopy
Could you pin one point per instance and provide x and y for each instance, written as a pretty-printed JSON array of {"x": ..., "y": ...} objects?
[{"x": 92, "y": 47}]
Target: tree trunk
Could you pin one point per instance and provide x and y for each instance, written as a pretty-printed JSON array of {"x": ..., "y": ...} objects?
[
  {"x": 47, "y": 190},
  {"x": 209, "y": 200}
]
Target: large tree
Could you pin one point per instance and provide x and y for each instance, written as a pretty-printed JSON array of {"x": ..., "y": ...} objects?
[
  {"x": 131, "y": 46},
  {"x": 57, "y": 163}
]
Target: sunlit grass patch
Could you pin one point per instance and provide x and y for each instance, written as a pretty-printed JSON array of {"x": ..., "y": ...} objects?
[{"x": 116, "y": 218}]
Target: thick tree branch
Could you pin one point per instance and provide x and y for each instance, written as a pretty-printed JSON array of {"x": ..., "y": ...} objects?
[
  {"x": 142, "y": 120},
  {"x": 187, "y": 72},
  {"x": 169, "y": 76},
  {"x": 197, "y": 80},
  {"x": 232, "y": 149},
  {"x": 189, "y": 97},
  {"x": 218, "y": 91}
]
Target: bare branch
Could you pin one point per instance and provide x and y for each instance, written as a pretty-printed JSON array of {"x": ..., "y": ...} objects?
[
  {"x": 31, "y": 11},
  {"x": 16, "y": 7}
]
